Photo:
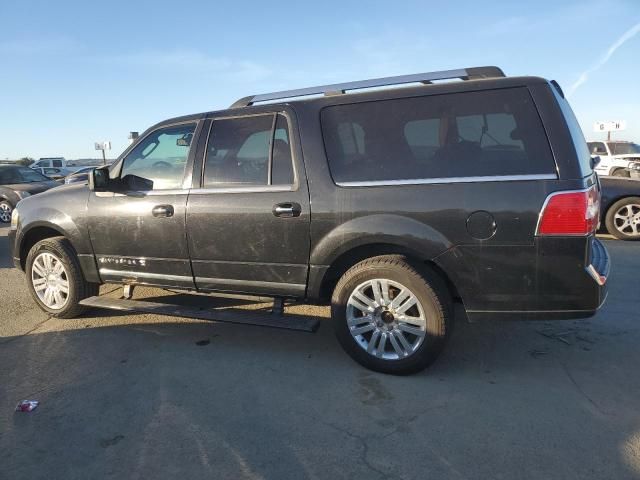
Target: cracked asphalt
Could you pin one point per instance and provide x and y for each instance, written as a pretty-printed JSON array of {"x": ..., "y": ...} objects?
[{"x": 146, "y": 396}]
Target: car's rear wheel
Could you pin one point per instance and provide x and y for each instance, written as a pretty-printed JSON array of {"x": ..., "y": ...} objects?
[
  {"x": 623, "y": 219},
  {"x": 55, "y": 279},
  {"x": 390, "y": 317},
  {"x": 5, "y": 211}
]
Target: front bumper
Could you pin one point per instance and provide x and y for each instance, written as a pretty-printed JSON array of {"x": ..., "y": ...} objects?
[{"x": 13, "y": 251}]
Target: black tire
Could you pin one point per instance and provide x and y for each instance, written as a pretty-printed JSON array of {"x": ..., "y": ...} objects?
[
  {"x": 613, "y": 224},
  {"x": 428, "y": 288},
  {"x": 5, "y": 211},
  {"x": 621, "y": 172},
  {"x": 79, "y": 288}
]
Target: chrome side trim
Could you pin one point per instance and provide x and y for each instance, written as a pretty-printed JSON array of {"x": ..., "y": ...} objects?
[
  {"x": 247, "y": 189},
  {"x": 600, "y": 279},
  {"x": 143, "y": 275},
  {"x": 249, "y": 283},
  {"x": 432, "y": 181}
]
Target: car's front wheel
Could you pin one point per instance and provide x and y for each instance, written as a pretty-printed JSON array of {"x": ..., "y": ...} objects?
[
  {"x": 623, "y": 219},
  {"x": 390, "y": 317},
  {"x": 5, "y": 211},
  {"x": 55, "y": 279}
]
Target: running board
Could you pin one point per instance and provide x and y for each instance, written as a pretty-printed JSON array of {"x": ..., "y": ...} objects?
[{"x": 247, "y": 317}]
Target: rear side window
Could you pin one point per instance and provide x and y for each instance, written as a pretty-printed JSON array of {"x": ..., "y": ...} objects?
[
  {"x": 471, "y": 134},
  {"x": 249, "y": 151}
]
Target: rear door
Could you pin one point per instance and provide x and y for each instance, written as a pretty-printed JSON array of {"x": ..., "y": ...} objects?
[{"x": 248, "y": 214}]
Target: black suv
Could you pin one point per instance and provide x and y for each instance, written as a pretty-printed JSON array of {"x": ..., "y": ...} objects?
[{"x": 388, "y": 203}]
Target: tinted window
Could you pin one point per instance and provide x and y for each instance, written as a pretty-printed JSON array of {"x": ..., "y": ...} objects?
[
  {"x": 282, "y": 167},
  {"x": 161, "y": 156},
  {"x": 9, "y": 175},
  {"x": 56, "y": 163},
  {"x": 456, "y": 135},
  {"x": 624, "y": 148},
  {"x": 238, "y": 152}
]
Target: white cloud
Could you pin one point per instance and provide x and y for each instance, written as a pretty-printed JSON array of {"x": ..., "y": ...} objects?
[
  {"x": 584, "y": 76},
  {"x": 40, "y": 46},
  {"x": 194, "y": 62}
]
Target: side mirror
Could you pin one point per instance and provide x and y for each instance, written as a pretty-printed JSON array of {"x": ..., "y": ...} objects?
[
  {"x": 134, "y": 183},
  {"x": 595, "y": 160},
  {"x": 99, "y": 179}
]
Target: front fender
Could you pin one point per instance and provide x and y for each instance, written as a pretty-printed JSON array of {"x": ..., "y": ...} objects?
[{"x": 409, "y": 234}]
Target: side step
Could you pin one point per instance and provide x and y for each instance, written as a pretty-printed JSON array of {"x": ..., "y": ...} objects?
[{"x": 247, "y": 317}]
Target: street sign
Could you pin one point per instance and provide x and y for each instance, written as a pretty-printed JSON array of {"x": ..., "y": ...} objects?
[
  {"x": 610, "y": 126},
  {"x": 103, "y": 146}
]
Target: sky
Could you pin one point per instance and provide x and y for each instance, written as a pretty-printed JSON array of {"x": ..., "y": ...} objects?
[{"x": 73, "y": 73}]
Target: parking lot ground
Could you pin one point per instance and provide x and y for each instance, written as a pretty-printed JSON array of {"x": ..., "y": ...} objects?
[{"x": 146, "y": 396}]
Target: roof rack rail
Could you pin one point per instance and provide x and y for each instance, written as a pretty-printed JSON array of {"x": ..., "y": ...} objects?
[{"x": 473, "y": 73}]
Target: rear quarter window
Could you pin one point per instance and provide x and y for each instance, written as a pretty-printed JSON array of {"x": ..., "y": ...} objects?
[
  {"x": 577, "y": 137},
  {"x": 470, "y": 134}
]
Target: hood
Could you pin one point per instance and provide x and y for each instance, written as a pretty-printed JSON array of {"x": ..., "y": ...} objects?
[{"x": 33, "y": 187}]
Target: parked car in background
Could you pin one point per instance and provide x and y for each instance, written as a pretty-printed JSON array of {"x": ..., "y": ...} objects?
[
  {"x": 620, "y": 211},
  {"x": 52, "y": 172},
  {"x": 634, "y": 171},
  {"x": 53, "y": 167},
  {"x": 616, "y": 158},
  {"x": 16, "y": 183},
  {"x": 79, "y": 176}
]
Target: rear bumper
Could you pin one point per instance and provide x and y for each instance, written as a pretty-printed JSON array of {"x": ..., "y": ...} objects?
[{"x": 557, "y": 278}]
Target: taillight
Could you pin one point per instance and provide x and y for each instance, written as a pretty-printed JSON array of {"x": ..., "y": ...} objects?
[{"x": 570, "y": 213}]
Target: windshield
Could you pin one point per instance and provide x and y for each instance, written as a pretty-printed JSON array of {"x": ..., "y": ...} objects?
[
  {"x": 9, "y": 175},
  {"x": 624, "y": 148}
]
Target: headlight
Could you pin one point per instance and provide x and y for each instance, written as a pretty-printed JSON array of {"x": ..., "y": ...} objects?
[
  {"x": 635, "y": 166},
  {"x": 22, "y": 194},
  {"x": 14, "y": 218}
]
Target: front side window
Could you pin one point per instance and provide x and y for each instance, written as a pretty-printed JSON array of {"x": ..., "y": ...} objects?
[
  {"x": 490, "y": 133},
  {"x": 597, "y": 148},
  {"x": 161, "y": 156},
  {"x": 248, "y": 151}
]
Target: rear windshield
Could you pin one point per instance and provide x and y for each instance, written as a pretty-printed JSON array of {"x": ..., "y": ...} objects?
[
  {"x": 471, "y": 134},
  {"x": 579, "y": 142}
]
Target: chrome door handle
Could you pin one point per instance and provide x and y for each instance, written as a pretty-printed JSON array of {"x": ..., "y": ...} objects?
[
  {"x": 287, "y": 210},
  {"x": 162, "y": 211}
]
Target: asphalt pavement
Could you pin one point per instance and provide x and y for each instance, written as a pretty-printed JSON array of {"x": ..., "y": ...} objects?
[{"x": 147, "y": 396}]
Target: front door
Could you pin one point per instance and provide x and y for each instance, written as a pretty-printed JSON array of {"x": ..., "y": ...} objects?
[
  {"x": 140, "y": 237},
  {"x": 248, "y": 223}
]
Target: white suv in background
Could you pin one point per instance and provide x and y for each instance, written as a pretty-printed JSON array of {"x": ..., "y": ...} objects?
[{"x": 616, "y": 158}]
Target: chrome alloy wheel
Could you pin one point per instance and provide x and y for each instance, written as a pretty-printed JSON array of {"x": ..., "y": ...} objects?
[
  {"x": 50, "y": 280},
  {"x": 627, "y": 220},
  {"x": 5, "y": 212},
  {"x": 386, "y": 319}
]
